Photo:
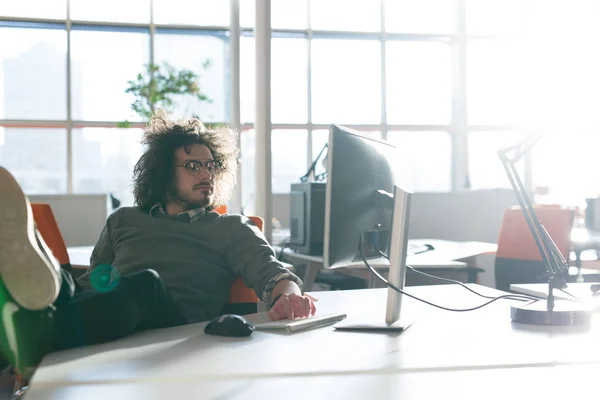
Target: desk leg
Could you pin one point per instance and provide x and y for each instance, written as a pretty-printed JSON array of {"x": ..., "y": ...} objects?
[
  {"x": 472, "y": 274},
  {"x": 374, "y": 282},
  {"x": 578, "y": 265},
  {"x": 472, "y": 269},
  {"x": 310, "y": 274}
]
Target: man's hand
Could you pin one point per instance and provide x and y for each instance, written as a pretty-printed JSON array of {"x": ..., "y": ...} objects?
[{"x": 292, "y": 306}]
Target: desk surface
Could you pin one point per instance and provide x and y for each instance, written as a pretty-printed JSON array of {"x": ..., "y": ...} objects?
[
  {"x": 446, "y": 253},
  {"x": 464, "y": 353},
  {"x": 541, "y": 381}
]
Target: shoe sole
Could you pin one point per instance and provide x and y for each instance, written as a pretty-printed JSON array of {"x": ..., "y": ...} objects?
[{"x": 31, "y": 278}]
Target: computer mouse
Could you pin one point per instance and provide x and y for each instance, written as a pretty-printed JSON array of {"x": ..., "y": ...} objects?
[{"x": 229, "y": 325}]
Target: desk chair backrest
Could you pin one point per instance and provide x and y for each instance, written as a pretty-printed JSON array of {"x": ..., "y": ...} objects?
[
  {"x": 221, "y": 209},
  {"x": 48, "y": 229},
  {"x": 240, "y": 292},
  {"x": 518, "y": 259},
  {"x": 516, "y": 241}
]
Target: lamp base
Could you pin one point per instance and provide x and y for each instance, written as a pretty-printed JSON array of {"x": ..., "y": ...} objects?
[{"x": 565, "y": 313}]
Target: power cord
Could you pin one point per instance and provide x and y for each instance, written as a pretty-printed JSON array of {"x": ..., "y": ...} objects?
[
  {"x": 284, "y": 245},
  {"x": 381, "y": 278},
  {"x": 438, "y": 278}
]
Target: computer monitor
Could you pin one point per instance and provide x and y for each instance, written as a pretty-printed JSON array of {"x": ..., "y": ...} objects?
[{"x": 364, "y": 200}]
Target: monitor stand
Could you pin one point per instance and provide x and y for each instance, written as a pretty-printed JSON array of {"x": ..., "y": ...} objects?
[
  {"x": 398, "y": 326},
  {"x": 400, "y": 203}
]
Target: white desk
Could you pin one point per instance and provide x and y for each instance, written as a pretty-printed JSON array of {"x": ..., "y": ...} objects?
[
  {"x": 542, "y": 381},
  {"x": 446, "y": 255},
  {"x": 80, "y": 256},
  {"x": 473, "y": 355}
]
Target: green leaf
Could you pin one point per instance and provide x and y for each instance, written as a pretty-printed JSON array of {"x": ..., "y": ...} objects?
[{"x": 160, "y": 86}]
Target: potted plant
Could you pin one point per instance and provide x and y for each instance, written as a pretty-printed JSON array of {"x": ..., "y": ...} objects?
[{"x": 160, "y": 86}]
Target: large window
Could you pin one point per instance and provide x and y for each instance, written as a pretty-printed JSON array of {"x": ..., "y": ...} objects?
[
  {"x": 289, "y": 64},
  {"x": 425, "y": 158},
  {"x": 102, "y": 63},
  {"x": 37, "y": 157},
  {"x": 63, "y": 82},
  {"x": 53, "y": 9},
  {"x": 419, "y": 83},
  {"x": 485, "y": 168},
  {"x": 103, "y": 161},
  {"x": 342, "y": 15},
  {"x": 419, "y": 16},
  {"x": 33, "y": 72},
  {"x": 193, "y": 50},
  {"x": 448, "y": 95},
  {"x": 564, "y": 164},
  {"x": 346, "y": 81},
  {"x": 110, "y": 10}
]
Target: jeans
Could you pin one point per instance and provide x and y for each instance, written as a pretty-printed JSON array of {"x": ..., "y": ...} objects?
[{"x": 139, "y": 301}]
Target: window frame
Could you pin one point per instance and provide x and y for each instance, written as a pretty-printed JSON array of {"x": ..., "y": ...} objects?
[{"x": 458, "y": 128}]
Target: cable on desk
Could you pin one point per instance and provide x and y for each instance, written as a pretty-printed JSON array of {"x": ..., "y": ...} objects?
[
  {"x": 515, "y": 297},
  {"x": 397, "y": 289}
]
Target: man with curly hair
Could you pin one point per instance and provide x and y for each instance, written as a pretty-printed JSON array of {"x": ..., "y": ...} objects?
[{"x": 169, "y": 260}]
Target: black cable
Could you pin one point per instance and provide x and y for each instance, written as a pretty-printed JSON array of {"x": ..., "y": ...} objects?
[
  {"x": 284, "y": 245},
  {"x": 516, "y": 297},
  {"x": 313, "y": 167},
  {"x": 381, "y": 278}
]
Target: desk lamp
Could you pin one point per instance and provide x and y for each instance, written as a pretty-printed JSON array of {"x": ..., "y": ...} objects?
[{"x": 549, "y": 311}]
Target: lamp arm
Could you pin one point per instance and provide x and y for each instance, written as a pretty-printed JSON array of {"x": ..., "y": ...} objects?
[{"x": 551, "y": 256}]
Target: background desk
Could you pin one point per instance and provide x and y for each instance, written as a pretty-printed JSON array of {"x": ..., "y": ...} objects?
[
  {"x": 447, "y": 255},
  {"x": 474, "y": 355},
  {"x": 582, "y": 240}
]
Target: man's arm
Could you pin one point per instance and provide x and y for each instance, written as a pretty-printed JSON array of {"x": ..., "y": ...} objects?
[
  {"x": 285, "y": 287},
  {"x": 251, "y": 257}
]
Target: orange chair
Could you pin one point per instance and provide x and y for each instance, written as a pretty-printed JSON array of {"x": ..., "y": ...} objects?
[
  {"x": 222, "y": 209},
  {"x": 48, "y": 228},
  {"x": 242, "y": 299},
  {"x": 517, "y": 258},
  {"x": 240, "y": 292}
]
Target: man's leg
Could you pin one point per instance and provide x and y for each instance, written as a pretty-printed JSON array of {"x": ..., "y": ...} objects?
[
  {"x": 30, "y": 281},
  {"x": 31, "y": 326},
  {"x": 139, "y": 301}
]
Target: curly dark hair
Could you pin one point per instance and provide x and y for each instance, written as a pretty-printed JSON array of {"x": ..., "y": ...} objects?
[{"x": 153, "y": 173}]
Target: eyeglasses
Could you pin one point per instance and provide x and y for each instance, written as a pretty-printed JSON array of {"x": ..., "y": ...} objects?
[{"x": 194, "y": 166}]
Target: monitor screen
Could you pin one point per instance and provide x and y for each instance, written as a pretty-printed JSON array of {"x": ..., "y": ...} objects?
[
  {"x": 365, "y": 206},
  {"x": 359, "y": 170}
]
